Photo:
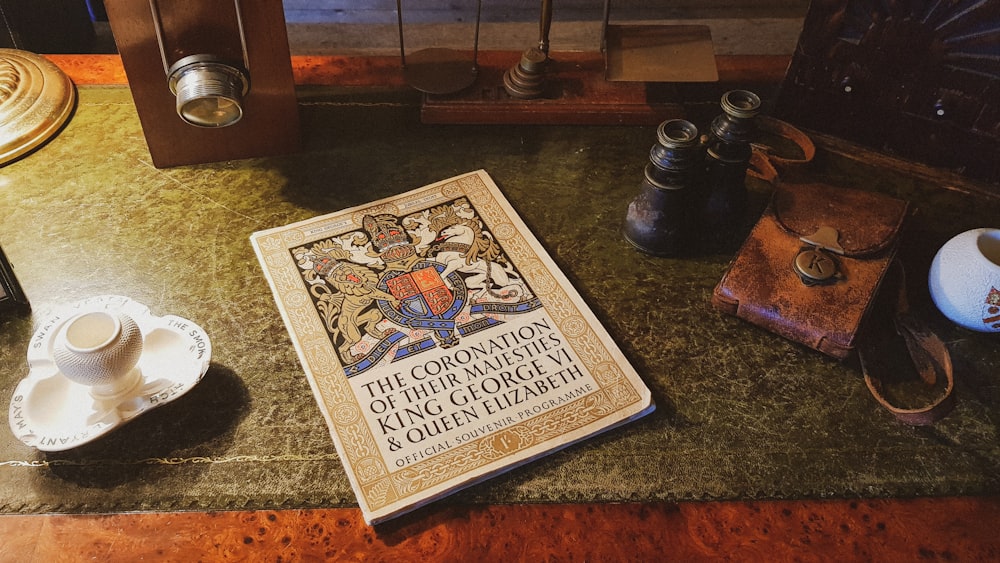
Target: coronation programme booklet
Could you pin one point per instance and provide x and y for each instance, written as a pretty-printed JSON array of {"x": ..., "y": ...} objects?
[{"x": 441, "y": 342}]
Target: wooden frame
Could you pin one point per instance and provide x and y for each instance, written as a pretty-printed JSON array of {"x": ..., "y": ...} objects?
[{"x": 270, "y": 124}]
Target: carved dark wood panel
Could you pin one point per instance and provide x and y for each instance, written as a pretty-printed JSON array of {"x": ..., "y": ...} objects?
[{"x": 920, "y": 79}]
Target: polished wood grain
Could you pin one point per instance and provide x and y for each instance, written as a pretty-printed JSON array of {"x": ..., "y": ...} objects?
[
  {"x": 944, "y": 529},
  {"x": 578, "y": 94},
  {"x": 385, "y": 71},
  {"x": 91, "y": 70}
]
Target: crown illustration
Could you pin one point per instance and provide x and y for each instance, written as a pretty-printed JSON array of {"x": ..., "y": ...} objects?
[
  {"x": 324, "y": 265},
  {"x": 385, "y": 232}
]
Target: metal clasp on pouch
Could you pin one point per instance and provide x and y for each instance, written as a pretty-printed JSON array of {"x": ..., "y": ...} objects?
[{"x": 814, "y": 264}]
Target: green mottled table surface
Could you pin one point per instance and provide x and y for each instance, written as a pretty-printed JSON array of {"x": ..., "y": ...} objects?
[{"x": 741, "y": 413}]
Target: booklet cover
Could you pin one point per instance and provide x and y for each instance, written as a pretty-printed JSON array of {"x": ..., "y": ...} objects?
[{"x": 441, "y": 342}]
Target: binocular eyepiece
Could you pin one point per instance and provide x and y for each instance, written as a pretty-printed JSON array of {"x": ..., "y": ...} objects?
[{"x": 694, "y": 183}]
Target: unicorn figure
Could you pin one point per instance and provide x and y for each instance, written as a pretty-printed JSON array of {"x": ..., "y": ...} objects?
[{"x": 462, "y": 246}]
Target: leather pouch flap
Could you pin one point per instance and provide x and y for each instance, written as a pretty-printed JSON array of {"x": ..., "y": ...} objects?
[{"x": 866, "y": 222}]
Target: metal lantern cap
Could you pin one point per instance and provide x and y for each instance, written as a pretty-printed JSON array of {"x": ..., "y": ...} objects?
[{"x": 209, "y": 92}]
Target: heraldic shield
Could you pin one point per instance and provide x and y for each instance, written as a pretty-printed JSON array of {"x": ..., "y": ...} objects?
[
  {"x": 423, "y": 292},
  {"x": 425, "y": 300}
]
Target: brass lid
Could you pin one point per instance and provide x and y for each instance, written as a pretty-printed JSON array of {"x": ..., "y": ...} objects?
[{"x": 36, "y": 99}]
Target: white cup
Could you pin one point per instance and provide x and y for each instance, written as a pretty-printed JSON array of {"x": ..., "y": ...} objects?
[
  {"x": 964, "y": 280},
  {"x": 100, "y": 350}
]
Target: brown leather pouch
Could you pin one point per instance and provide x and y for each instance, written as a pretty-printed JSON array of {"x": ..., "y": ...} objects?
[{"x": 812, "y": 269}]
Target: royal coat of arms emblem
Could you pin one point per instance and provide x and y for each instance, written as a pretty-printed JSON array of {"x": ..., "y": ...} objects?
[{"x": 403, "y": 285}]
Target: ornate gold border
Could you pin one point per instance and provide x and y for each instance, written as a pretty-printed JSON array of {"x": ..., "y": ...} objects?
[{"x": 378, "y": 485}]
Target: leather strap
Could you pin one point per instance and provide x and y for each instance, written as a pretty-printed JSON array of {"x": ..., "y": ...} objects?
[
  {"x": 928, "y": 353},
  {"x": 765, "y": 160}
]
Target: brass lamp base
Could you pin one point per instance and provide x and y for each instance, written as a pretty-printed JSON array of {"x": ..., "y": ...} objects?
[{"x": 36, "y": 99}]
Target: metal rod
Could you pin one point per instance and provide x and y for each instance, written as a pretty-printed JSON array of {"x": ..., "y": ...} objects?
[
  {"x": 243, "y": 35},
  {"x": 604, "y": 26},
  {"x": 158, "y": 30},
  {"x": 154, "y": 9},
  {"x": 399, "y": 18},
  {"x": 475, "y": 43},
  {"x": 544, "y": 25}
]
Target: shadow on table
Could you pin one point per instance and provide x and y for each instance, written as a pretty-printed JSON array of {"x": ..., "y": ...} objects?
[{"x": 202, "y": 421}]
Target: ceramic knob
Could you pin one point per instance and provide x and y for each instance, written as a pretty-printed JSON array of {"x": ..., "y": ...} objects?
[
  {"x": 100, "y": 350},
  {"x": 964, "y": 279}
]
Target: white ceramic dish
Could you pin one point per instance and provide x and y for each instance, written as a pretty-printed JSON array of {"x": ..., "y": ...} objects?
[{"x": 52, "y": 413}]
